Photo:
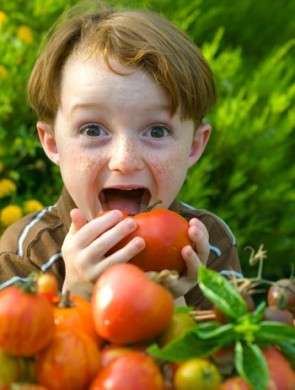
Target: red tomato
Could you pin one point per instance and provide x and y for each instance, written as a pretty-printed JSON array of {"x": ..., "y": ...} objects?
[
  {"x": 26, "y": 386},
  {"x": 165, "y": 233},
  {"x": 272, "y": 313},
  {"x": 132, "y": 371},
  {"x": 75, "y": 312},
  {"x": 128, "y": 307},
  {"x": 111, "y": 353},
  {"x": 70, "y": 362},
  {"x": 235, "y": 383},
  {"x": 282, "y": 295},
  {"x": 282, "y": 376},
  {"x": 26, "y": 322}
]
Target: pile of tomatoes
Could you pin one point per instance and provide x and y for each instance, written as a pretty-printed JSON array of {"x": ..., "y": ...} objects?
[
  {"x": 52, "y": 341},
  {"x": 55, "y": 341}
]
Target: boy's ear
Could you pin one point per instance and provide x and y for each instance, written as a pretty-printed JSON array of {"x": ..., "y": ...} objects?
[
  {"x": 200, "y": 140},
  {"x": 47, "y": 139}
]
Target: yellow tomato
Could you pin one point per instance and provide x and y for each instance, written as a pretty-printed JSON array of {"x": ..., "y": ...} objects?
[{"x": 197, "y": 374}]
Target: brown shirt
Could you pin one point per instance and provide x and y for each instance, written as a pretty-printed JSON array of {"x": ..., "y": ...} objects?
[{"x": 34, "y": 243}]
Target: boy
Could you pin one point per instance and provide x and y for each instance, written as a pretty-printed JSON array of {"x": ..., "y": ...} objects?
[{"x": 120, "y": 98}]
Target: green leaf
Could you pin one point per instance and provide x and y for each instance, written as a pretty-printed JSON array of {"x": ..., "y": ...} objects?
[
  {"x": 184, "y": 348},
  {"x": 221, "y": 293},
  {"x": 288, "y": 349},
  {"x": 251, "y": 365},
  {"x": 217, "y": 331},
  {"x": 275, "y": 332},
  {"x": 258, "y": 314},
  {"x": 183, "y": 309}
]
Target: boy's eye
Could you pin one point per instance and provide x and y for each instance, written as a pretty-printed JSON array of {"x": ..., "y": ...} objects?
[
  {"x": 158, "y": 131},
  {"x": 92, "y": 130}
]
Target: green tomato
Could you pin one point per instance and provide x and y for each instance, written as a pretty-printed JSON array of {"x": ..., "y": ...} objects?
[
  {"x": 179, "y": 325},
  {"x": 198, "y": 374},
  {"x": 15, "y": 369}
]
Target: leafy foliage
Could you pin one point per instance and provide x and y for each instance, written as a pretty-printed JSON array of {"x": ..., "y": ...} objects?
[
  {"x": 247, "y": 174},
  {"x": 246, "y": 331}
]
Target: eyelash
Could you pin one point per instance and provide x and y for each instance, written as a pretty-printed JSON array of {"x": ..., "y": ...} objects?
[
  {"x": 84, "y": 128},
  {"x": 168, "y": 131}
]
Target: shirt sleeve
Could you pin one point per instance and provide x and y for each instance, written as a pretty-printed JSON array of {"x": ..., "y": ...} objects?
[{"x": 13, "y": 266}]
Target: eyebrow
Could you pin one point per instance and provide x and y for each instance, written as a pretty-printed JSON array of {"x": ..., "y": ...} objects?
[
  {"x": 78, "y": 106},
  {"x": 153, "y": 108}
]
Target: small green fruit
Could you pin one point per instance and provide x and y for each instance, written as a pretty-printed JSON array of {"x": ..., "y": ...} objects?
[
  {"x": 15, "y": 369},
  {"x": 179, "y": 325}
]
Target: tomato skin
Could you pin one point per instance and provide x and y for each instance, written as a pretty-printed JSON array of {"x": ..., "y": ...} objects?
[
  {"x": 224, "y": 359},
  {"x": 26, "y": 386},
  {"x": 196, "y": 373},
  {"x": 282, "y": 295},
  {"x": 178, "y": 326},
  {"x": 282, "y": 376},
  {"x": 77, "y": 315},
  {"x": 34, "y": 313},
  {"x": 235, "y": 383},
  {"x": 132, "y": 371},
  {"x": 47, "y": 286},
  {"x": 272, "y": 313},
  {"x": 15, "y": 369},
  {"x": 165, "y": 233},
  {"x": 110, "y": 353},
  {"x": 70, "y": 362},
  {"x": 128, "y": 307}
]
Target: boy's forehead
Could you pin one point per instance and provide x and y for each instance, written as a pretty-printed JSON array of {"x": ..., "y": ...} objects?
[{"x": 87, "y": 82}]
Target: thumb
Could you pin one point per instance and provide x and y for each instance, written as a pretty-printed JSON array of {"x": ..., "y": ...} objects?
[{"x": 78, "y": 220}]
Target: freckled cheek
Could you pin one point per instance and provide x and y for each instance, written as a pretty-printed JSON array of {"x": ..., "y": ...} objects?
[
  {"x": 86, "y": 167},
  {"x": 169, "y": 174}
]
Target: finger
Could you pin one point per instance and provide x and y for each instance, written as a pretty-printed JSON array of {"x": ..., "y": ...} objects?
[
  {"x": 201, "y": 242},
  {"x": 94, "y": 228},
  {"x": 192, "y": 262},
  {"x": 199, "y": 225},
  {"x": 78, "y": 220},
  {"x": 107, "y": 240},
  {"x": 123, "y": 255}
]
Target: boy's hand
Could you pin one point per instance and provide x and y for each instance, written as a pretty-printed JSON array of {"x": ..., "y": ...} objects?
[
  {"x": 193, "y": 256},
  {"x": 86, "y": 245}
]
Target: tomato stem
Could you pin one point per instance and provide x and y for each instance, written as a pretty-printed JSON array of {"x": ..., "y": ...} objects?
[
  {"x": 65, "y": 300},
  {"x": 149, "y": 208}
]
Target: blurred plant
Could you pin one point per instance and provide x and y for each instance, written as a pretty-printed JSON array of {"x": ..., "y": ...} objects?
[
  {"x": 7, "y": 187},
  {"x": 31, "y": 206},
  {"x": 10, "y": 214}
]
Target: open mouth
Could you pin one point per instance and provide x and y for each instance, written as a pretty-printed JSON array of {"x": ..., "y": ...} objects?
[{"x": 131, "y": 201}]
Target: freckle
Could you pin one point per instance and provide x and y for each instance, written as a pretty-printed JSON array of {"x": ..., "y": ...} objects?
[{"x": 86, "y": 164}]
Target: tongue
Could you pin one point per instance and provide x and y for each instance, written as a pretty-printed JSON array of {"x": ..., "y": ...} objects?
[{"x": 126, "y": 201}]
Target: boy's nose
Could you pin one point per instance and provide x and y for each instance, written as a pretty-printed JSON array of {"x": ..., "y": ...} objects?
[{"x": 126, "y": 157}]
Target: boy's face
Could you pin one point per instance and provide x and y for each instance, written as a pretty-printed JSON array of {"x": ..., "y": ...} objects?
[{"x": 115, "y": 141}]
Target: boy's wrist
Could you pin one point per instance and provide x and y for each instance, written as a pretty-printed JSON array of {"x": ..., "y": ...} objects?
[{"x": 83, "y": 289}]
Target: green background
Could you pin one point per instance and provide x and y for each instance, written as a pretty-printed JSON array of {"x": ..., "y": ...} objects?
[{"x": 247, "y": 175}]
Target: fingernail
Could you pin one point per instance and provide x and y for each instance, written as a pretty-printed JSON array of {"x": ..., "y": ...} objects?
[
  {"x": 139, "y": 242},
  {"x": 130, "y": 223},
  {"x": 117, "y": 213}
]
